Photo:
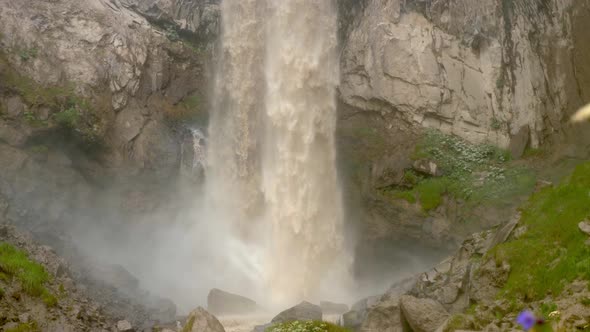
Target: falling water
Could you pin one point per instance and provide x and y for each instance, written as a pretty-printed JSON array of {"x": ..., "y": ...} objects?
[{"x": 271, "y": 139}]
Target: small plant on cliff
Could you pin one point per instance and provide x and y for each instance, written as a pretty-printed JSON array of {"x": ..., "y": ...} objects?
[
  {"x": 28, "y": 53},
  {"x": 31, "y": 275},
  {"x": 172, "y": 33},
  {"x": 67, "y": 118},
  {"x": 495, "y": 124}
]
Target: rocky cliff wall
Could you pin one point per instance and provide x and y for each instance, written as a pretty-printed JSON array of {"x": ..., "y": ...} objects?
[{"x": 499, "y": 71}]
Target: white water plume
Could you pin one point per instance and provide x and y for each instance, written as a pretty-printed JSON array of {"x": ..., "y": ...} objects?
[{"x": 272, "y": 159}]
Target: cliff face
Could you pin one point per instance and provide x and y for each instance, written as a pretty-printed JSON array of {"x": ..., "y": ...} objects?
[
  {"x": 134, "y": 77},
  {"x": 505, "y": 72}
]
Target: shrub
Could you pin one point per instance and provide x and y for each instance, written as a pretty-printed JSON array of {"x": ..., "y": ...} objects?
[
  {"x": 172, "y": 33},
  {"x": 495, "y": 124},
  {"x": 67, "y": 118}
]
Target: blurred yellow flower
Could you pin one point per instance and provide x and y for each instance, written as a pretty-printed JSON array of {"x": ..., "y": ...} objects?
[{"x": 582, "y": 114}]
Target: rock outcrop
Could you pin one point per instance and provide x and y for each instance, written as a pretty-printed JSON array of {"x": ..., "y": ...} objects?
[
  {"x": 123, "y": 79},
  {"x": 488, "y": 72},
  {"x": 302, "y": 311}
]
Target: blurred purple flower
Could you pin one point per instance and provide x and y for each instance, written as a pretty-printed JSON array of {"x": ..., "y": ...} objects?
[{"x": 526, "y": 319}]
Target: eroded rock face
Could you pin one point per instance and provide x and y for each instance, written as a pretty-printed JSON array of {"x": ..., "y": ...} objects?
[
  {"x": 132, "y": 72},
  {"x": 200, "y": 17},
  {"x": 471, "y": 69}
]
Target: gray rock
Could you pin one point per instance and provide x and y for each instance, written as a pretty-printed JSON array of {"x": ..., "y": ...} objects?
[
  {"x": 24, "y": 318},
  {"x": 423, "y": 315},
  {"x": 200, "y": 320},
  {"x": 14, "y": 106},
  {"x": 384, "y": 316},
  {"x": 303, "y": 311},
  {"x": 519, "y": 142},
  {"x": 124, "y": 326},
  {"x": 584, "y": 226},
  {"x": 221, "y": 302},
  {"x": 427, "y": 167},
  {"x": 14, "y": 136},
  {"x": 333, "y": 308},
  {"x": 352, "y": 320}
]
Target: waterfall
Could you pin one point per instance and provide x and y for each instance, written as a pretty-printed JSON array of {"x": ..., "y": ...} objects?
[{"x": 271, "y": 152}]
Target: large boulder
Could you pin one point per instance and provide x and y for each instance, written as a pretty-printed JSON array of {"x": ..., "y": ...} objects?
[
  {"x": 220, "y": 302},
  {"x": 303, "y": 311},
  {"x": 423, "y": 315},
  {"x": 200, "y": 320},
  {"x": 385, "y": 316}
]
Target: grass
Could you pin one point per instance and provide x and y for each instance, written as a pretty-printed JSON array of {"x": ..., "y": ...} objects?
[
  {"x": 476, "y": 174},
  {"x": 24, "y": 327},
  {"x": 188, "y": 327},
  {"x": 308, "y": 326},
  {"x": 32, "y": 276},
  {"x": 552, "y": 253},
  {"x": 457, "y": 322}
]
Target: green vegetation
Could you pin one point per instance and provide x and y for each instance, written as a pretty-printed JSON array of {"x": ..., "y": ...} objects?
[
  {"x": 188, "y": 327},
  {"x": 39, "y": 149},
  {"x": 535, "y": 153},
  {"x": 172, "y": 33},
  {"x": 552, "y": 253},
  {"x": 32, "y": 276},
  {"x": 28, "y": 53},
  {"x": 474, "y": 173},
  {"x": 457, "y": 322},
  {"x": 76, "y": 114},
  {"x": 67, "y": 118},
  {"x": 496, "y": 124},
  {"x": 547, "y": 308},
  {"x": 25, "y": 327},
  {"x": 308, "y": 326},
  {"x": 586, "y": 301}
]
